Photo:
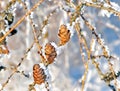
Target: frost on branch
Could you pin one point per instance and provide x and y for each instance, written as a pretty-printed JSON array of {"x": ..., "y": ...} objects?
[{"x": 59, "y": 45}]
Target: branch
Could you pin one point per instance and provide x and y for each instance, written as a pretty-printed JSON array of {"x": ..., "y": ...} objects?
[{"x": 20, "y": 21}]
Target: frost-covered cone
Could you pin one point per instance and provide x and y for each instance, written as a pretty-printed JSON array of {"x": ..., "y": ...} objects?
[
  {"x": 64, "y": 35},
  {"x": 38, "y": 74},
  {"x": 50, "y": 53}
]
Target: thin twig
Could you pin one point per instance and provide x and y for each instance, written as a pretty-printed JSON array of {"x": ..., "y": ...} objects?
[
  {"x": 78, "y": 30},
  {"x": 101, "y": 6},
  {"x": 82, "y": 41},
  {"x": 4, "y": 84},
  {"x": 20, "y": 21},
  {"x": 27, "y": 51},
  {"x": 105, "y": 52}
]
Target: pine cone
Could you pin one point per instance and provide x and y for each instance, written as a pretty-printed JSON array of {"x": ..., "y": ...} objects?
[
  {"x": 50, "y": 53},
  {"x": 38, "y": 74},
  {"x": 64, "y": 35}
]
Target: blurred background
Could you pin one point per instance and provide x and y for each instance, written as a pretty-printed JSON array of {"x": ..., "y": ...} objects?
[{"x": 66, "y": 72}]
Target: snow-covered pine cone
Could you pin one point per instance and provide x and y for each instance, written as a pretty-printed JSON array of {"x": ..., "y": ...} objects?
[
  {"x": 38, "y": 74},
  {"x": 50, "y": 53},
  {"x": 64, "y": 35}
]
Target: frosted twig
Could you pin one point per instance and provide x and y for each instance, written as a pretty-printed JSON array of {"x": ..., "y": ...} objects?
[
  {"x": 22, "y": 59},
  {"x": 4, "y": 84},
  {"x": 15, "y": 69},
  {"x": 78, "y": 30},
  {"x": 113, "y": 72},
  {"x": 101, "y": 6},
  {"x": 82, "y": 41},
  {"x": 34, "y": 32},
  {"x": 28, "y": 49},
  {"x": 105, "y": 52},
  {"x": 20, "y": 21}
]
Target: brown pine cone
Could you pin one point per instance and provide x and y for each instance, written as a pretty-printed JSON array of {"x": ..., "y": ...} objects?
[
  {"x": 38, "y": 74},
  {"x": 64, "y": 35},
  {"x": 50, "y": 53}
]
